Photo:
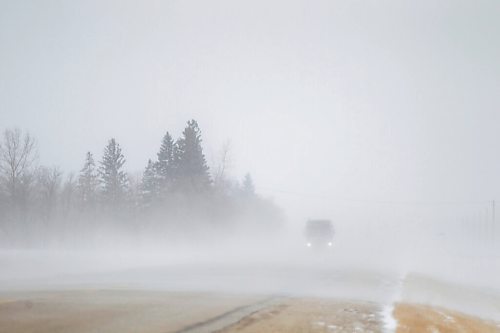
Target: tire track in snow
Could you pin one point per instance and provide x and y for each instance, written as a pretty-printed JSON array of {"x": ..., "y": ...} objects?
[{"x": 231, "y": 317}]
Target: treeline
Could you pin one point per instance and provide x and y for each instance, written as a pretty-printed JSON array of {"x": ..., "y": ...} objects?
[{"x": 176, "y": 196}]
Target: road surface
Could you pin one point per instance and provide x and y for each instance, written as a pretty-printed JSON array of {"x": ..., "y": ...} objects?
[
  {"x": 235, "y": 297},
  {"x": 113, "y": 311}
]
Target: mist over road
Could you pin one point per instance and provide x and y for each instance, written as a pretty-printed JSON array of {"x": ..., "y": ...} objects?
[{"x": 220, "y": 292}]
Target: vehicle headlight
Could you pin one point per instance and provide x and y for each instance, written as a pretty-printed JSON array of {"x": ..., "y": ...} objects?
[
  {"x": 308, "y": 244},
  {"x": 329, "y": 243}
]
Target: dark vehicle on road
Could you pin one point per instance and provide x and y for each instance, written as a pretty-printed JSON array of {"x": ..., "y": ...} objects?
[{"x": 319, "y": 234}]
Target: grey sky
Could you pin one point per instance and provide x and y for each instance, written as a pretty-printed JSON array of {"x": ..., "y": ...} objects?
[{"x": 382, "y": 100}]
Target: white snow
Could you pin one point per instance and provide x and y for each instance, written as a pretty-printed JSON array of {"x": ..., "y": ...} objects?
[{"x": 390, "y": 323}]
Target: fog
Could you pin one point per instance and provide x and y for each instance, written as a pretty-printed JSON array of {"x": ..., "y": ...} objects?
[{"x": 382, "y": 117}]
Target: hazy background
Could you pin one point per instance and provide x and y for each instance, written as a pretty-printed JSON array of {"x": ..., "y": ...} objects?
[
  {"x": 322, "y": 100},
  {"x": 383, "y": 116}
]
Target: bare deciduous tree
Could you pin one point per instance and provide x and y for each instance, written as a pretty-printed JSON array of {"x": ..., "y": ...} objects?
[
  {"x": 68, "y": 194},
  {"x": 48, "y": 184},
  {"x": 17, "y": 156},
  {"x": 222, "y": 167}
]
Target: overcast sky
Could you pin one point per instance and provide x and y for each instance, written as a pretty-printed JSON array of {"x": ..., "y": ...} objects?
[{"x": 370, "y": 100}]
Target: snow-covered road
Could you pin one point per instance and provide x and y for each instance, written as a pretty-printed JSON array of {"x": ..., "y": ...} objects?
[{"x": 314, "y": 286}]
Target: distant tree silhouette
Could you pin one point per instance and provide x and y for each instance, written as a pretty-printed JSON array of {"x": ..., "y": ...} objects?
[
  {"x": 164, "y": 168},
  {"x": 88, "y": 183},
  {"x": 248, "y": 188},
  {"x": 192, "y": 173},
  {"x": 175, "y": 193},
  {"x": 113, "y": 179},
  {"x": 48, "y": 182},
  {"x": 17, "y": 157},
  {"x": 149, "y": 184}
]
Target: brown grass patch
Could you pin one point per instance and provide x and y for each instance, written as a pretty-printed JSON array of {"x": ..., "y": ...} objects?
[{"x": 421, "y": 318}]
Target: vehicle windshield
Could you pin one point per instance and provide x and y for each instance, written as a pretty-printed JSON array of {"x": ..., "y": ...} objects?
[{"x": 319, "y": 229}]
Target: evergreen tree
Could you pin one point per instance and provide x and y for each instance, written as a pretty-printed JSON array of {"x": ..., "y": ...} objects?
[
  {"x": 165, "y": 166},
  {"x": 113, "y": 179},
  {"x": 88, "y": 182},
  {"x": 190, "y": 164},
  {"x": 149, "y": 185}
]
